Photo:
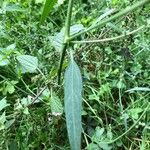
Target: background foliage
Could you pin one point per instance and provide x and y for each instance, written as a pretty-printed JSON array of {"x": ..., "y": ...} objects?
[{"x": 116, "y": 77}]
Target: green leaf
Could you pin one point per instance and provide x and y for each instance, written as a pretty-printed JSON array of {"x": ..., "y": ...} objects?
[
  {"x": 106, "y": 13},
  {"x": 8, "y": 49},
  {"x": 5, "y": 54},
  {"x": 13, "y": 7},
  {"x": 9, "y": 123},
  {"x": 49, "y": 4},
  {"x": 2, "y": 121},
  {"x": 73, "y": 104},
  {"x": 98, "y": 134},
  {"x": 26, "y": 101},
  {"x": 27, "y": 63},
  {"x": 109, "y": 134},
  {"x": 3, "y": 60},
  {"x": 10, "y": 8},
  {"x": 93, "y": 146},
  {"x": 76, "y": 29},
  {"x": 56, "y": 106},
  {"x": 26, "y": 111},
  {"x": 134, "y": 112},
  {"x": 10, "y": 88},
  {"x": 120, "y": 84},
  {"x": 104, "y": 146},
  {"x": 57, "y": 40},
  {"x": 3, "y": 104}
]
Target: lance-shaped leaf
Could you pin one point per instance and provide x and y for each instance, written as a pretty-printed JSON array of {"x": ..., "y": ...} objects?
[
  {"x": 49, "y": 4},
  {"x": 73, "y": 104}
]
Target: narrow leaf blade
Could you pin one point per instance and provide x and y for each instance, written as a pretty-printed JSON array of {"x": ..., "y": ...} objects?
[
  {"x": 47, "y": 8},
  {"x": 73, "y": 102},
  {"x": 143, "y": 89}
]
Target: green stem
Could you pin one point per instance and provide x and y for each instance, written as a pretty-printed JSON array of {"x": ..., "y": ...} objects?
[
  {"x": 68, "y": 21},
  {"x": 108, "y": 39},
  {"x": 61, "y": 62},
  {"x": 121, "y": 13},
  {"x": 66, "y": 37},
  {"x": 93, "y": 111},
  {"x": 27, "y": 87}
]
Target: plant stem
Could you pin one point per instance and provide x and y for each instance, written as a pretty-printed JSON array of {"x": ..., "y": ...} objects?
[
  {"x": 66, "y": 37},
  {"x": 61, "y": 62},
  {"x": 108, "y": 39},
  {"x": 93, "y": 111},
  {"x": 119, "y": 14},
  {"x": 68, "y": 20},
  {"x": 27, "y": 87}
]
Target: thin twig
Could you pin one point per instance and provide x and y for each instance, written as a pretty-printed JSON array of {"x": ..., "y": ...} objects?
[{"x": 38, "y": 95}]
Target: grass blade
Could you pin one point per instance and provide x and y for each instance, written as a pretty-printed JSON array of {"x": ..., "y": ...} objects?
[
  {"x": 47, "y": 8},
  {"x": 73, "y": 102}
]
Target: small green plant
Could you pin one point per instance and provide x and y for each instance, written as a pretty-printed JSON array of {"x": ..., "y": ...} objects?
[
  {"x": 107, "y": 102},
  {"x": 73, "y": 81}
]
